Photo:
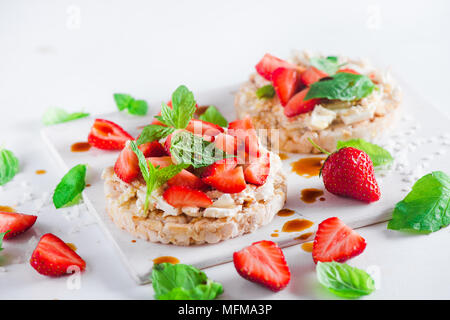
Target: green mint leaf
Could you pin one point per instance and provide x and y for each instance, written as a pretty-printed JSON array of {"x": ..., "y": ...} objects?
[
  {"x": 191, "y": 149},
  {"x": 213, "y": 115},
  {"x": 153, "y": 132},
  {"x": 343, "y": 280},
  {"x": 9, "y": 166},
  {"x": 68, "y": 191},
  {"x": 426, "y": 208},
  {"x": 377, "y": 154},
  {"x": 183, "y": 282},
  {"x": 58, "y": 115},
  {"x": 138, "y": 107},
  {"x": 182, "y": 111},
  {"x": 126, "y": 101},
  {"x": 2, "y": 234},
  {"x": 154, "y": 177},
  {"x": 342, "y": 86},
  {"x": 329, "y": 64},
  {"x": 267, "y": 91},
  {"x": 122, "y": 100}
]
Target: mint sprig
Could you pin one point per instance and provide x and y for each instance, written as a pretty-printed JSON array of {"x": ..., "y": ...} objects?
[
  {"x": 68, "y": 191},
  {"x": 426, "y": 208},
  {"x": 133, "y": 106},
  {"x": 154, "y": 132},
  {"x": 193, "y": 150},
  {"x": 329, "y": 64},
  {"x": 154, "y": 177},
  {"x": 267, "y": 91},
  {"x": 343, "y": 280},
  {"x": 183, "y": 282},
  {"x": 342, "y": 86},
  {"x": 57, "y": 115},
  {"x": 9, "y": 166},
  {"x": 213, "y": 115},
  {"x": 377, "y": 154},
  {"x": 182, "y": 111}
]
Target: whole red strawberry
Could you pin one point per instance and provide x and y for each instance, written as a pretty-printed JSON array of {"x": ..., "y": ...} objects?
[{"x": 349, "y": 172}]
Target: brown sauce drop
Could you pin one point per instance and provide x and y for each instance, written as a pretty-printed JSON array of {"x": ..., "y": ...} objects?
[
  {"x": 322, "y": 199},
  {"x": 168, "y": 259},
  {"x": 285, "y": 212},
  {"x": 304, "y": 236},
  {"x": 88, "y": 185},
  {"x": 41, "y": 171},
  {"x": 80, "y": 147},
  {"x": 308, "y": 167},
  {"x": 283, "y": 156},
  {"x": 274, "y": 235},
  {"x": 72, "y": 246},
  {"x": 310, "y": 195},
  {"x": 7, "y": 209},
  {"x": 308, "y": 246},
  {"x": 134, "y": 241},
  {"x": 296, "y": 225}
]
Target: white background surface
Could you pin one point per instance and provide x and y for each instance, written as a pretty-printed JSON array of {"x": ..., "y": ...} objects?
[{"x": 50, "y": 56}]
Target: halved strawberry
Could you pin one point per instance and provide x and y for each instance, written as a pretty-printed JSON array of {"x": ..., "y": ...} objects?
[
  {"x": 160, "y": 161},
  {"x": 247, "y": 138},
  {"x": 225, "y": 176},
  {"x": 263, "y": 262},
  {"x": 181, "y": 196},
  {"x": 347, "y": 70},
  {"x": 269, "y": 63},
  {"x": 153, "y": 149},
  {"x": 312, "y": 75},
  {"x": 203, "y": 128},
  {"x": 226, "y": 142},
  {"x": 298, "y": 105},
  {"x": 52, "y": 257},
  {"x": 336, "y": 241},
  {"x": 127, "y": 165},
  {"x": 16, "y": 223},
  {"x": 258, "y": 170},
  {"x": 107, "y": 135},
  {"x": 286, "y": 83}
]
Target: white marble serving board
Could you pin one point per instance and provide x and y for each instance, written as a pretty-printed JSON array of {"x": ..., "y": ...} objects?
[{"x": 420, "y": 144}]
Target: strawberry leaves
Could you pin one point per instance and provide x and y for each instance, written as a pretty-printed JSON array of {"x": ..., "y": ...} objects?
[
  {"x": 426, "y": 208},
  {"x": 377, "y": 154}
]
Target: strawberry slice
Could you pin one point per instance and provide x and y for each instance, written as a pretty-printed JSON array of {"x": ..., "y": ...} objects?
[
  {"x": 347, "y": 70},
  {"x": 167, "y": 144},
  {"x": 297, "y": 105},
  {"x": 258, "y": 170},
  {"x": 225, "y": 176},
  {"x": 184, "y": 178},
  {"x": 52, "y": 257},
  {"x": 16, "y": 223},
  {"x": 226, "y": 142},
  {"x": 153, "y": 149},
  {"x": 312, "y": 75},
  {"x": 181, "y": 196},
  {"x": 203, "y": 128},
  {"x": 107, "y": 135},
  {"x": 269, "y": 63},
  {"x": 247, "y": 139},
  {"x": 286, "y": 83},
  {"x": 336, "y": 241},
  {"x": 263, "y": 262},
  {"x": 127, "y": 165}
]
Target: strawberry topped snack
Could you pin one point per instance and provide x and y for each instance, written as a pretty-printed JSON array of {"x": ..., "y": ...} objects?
[
  {"x": 323, "y": 98},
  {"x": 189, "y": 180}
]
